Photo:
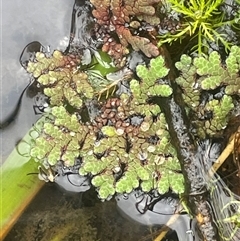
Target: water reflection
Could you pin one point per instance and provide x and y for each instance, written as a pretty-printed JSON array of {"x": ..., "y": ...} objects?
[
  {"x": 154, "y": 209},
  {"x": 41, "y": 21}
]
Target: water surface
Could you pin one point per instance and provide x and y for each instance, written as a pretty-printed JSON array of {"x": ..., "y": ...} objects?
[{"x": 22, "y": 22}]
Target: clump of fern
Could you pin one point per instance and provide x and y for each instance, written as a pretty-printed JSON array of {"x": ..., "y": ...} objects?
[{"x": 201, "y": 19}]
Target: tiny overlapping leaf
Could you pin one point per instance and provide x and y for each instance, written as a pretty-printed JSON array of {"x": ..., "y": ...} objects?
[
  {"x": 208, "y": 84},
  {"x": 150, "y": 76}
]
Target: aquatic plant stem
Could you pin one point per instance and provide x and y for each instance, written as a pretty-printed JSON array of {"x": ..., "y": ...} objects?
[
  {"x": 196, "y": 193},
  {"x": 165, "y": 229},
  {"x": 224, "y": 155}
]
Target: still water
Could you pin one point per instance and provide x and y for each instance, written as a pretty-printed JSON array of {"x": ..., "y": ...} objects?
[{"x": 22, "y": 22}]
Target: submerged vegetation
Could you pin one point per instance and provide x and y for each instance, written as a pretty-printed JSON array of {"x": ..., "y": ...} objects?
[{"x": 116, "y": 125}]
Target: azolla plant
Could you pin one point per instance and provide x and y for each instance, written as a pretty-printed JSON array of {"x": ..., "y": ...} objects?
[
  {"x": 60, "y": 71},
  {"x": 123, "y": 140},
  {"x": 210, "y": 88},
  {"x": 118, "y": 24},
  {"x": 124, "y": 145}
]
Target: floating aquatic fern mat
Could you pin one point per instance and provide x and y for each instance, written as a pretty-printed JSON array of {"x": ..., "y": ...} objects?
[
  {"x": 122, "y": 142},
  {"x": 112, "y": 123}
]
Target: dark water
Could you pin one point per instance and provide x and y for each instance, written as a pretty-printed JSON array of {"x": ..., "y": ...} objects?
[{"x": 55, "y": 215}]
